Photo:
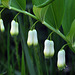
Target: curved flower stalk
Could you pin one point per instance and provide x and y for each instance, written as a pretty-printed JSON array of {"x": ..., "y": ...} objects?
[
  {"x": 2, "y": 25},
  {"x": 61, "y": 60},
  {"x": 14, "y": 28},
  {"x": 48, "y": 48},
  {"x": 32, "y": 37}
]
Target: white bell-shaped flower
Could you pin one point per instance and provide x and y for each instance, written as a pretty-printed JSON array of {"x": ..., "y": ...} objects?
[
  {"x": 61, "y": 60},
  {"x": 14, "y": 28},
  {"x": 2, "y": 25},
  {"x": 48, "y": 48},
  {"x": 30, "y": 38},
  {"x": 35, "y": 39}
]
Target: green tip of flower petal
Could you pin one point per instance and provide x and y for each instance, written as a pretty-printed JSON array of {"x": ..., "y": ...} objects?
[
  {"x": 2, "y": 29},
  {"x": 48, "y": 55},
  {"x": 61, "y": 67},
  {"x": 29, "y": 44},
  {"x": 13, "y": 34},
  {"x": 35, "y": 44}
]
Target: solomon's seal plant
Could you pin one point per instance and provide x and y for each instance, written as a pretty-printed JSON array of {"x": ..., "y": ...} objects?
[{"x": 54, "y": 15}]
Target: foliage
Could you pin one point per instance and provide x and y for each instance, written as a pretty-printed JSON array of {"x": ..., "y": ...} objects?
[{"x": 16, "y": 58}]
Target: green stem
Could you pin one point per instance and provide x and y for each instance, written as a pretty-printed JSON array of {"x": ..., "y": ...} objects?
[
  {"x": 8, "y": 50},
  {"x": 50, "y": 35},
  {"x": 46, "y": 24},
  {"x": 46, "y": 67},
  {"x": 30, "y": 19},
  {"x": 33, "y": 25},
  {"x": 51, "y": 68},
  {"x": 64, "y": 46},
  {"x": 16, "y": 15},
  {"x": 37, "y": 60},
  {"x": 17, "y": 55},
  {"x": 13, "y": 63},
  {"x": 23, "y": 64},
  {"x": 2, "y": 10},
  {"x": 24, "y": 12}
]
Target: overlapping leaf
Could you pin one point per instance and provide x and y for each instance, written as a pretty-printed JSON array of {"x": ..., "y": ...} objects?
[
  {"x": 69, "y": 21},
  {"x": 19, "y": 4},
  {"x": 41, "y": 3},
  {"x": 40, "y": 12},
  {"x": 5, "y": 3},
  {"x": 69, "y": 15},
  {"x": 55, "y": 13},
  {"x": 71, "y": 34}
]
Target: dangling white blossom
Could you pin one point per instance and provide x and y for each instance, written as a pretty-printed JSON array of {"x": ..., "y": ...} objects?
[
  {"x": 61, "y": 60},
  {"x": 2, "y": 25},
  {"x": 35, "y": 39},
  {"x": 48, "y": 48},
  {"x": 14, "y": 28},
  {"x": 30, "y": 38}
]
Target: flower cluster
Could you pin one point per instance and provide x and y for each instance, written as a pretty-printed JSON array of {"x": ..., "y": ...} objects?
[
  {"x": 32, "y": 37},
  {"x": 48, "y": 48},
  {"x": 33, "y": 40},
  {"x": 49, "y": 52},
  {"x": 2, "y": 25}
]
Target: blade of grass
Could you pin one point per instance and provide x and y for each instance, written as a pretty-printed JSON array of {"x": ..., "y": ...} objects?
[
  {"x": 17, "y": 55},
  {"x": 8, "y": 50},
  {"x": 23, "y": 65},
  {"x": 13, "y": 63},
  {"x": 25, "y": 48},
  {"x": 46, "y": 67},
  {"x": 38, "y": 64}
]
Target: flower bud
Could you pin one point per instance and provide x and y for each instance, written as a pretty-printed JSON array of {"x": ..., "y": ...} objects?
[
  {"x": 35, "y": 39},
  {"x": 61, "y": 60},
  {"x": 30, "y": 38},
  {"x": 2, "y": 25},
  {"x": 14, "y": 28},
  {"x": 49, "y": 48}
]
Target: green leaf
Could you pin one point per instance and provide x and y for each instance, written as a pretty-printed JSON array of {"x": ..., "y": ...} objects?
[
  {"x": 71, "y": 34},
  {"x": 69, "y": 15},
  {"x": 72, "y": 29},
  {"x": 20, "y": 4},
  {"x": 23, "y": 64},
  {"x": 5, "y": 3},
  {"x": 41, "y": 3},
  {"x": 55, "y": 13},
  {"x": 40, "y": 12}
]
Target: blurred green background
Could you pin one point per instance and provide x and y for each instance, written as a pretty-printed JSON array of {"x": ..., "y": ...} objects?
[{"x": 8, "y": 46}]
